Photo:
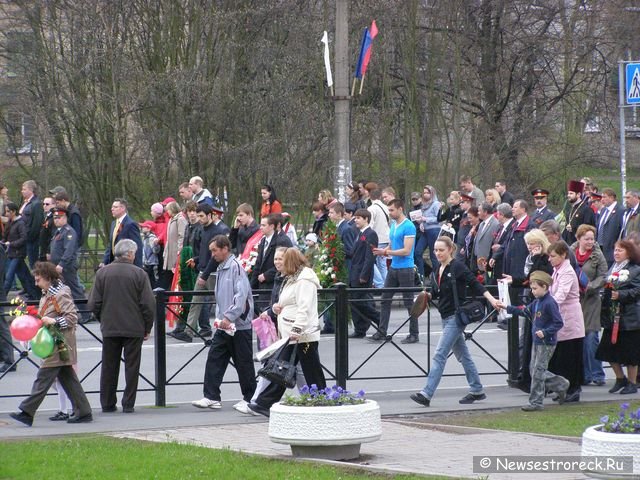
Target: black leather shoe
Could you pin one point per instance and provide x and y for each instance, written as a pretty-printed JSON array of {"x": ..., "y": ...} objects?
[
  {"x": 254, "y": 407},
  {"x": 410, "y": 339},
  {"x": 205, "y": 334},
  {"x": 22, "y": 417},
  {"x": 81, "y": 419},
  {"x": 619, "y": 385},
  {"x": 109, "y": 409},
  {"x": 357, "y": 335},
  {"x": 420, "y": 398},
  {"x": 128, "y": 409},
  {"x": 59, "y": 417},
  {"x": 502, "y": 325}
]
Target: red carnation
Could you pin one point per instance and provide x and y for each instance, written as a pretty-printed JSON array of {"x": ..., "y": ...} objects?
[
  {"x": 32, "y": 310},
  {"x": 335, "y": 269}
]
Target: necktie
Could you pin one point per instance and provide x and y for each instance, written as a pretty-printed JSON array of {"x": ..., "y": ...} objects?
[
  {"x": 116, "y": 230},
  {"x": 603, "y": 220}
]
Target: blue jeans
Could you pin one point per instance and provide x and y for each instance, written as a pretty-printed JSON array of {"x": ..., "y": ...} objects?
[
  {"x": 16, "y": 266},
  {"x": 592, "y": 367},
  {"x": 451, "y": 339},
  {"x": 380, "y": 268},
  {"x": 426, "y": 239}
]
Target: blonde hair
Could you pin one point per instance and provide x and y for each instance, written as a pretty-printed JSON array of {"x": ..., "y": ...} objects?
[
  {"x": 537, "y": 237},
  {"x": 494, "y": 194},
  {"x": 325, "y": 196}
]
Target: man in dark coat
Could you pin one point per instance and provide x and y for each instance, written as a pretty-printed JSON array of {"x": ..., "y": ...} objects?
[
  {"x": 609, "y": 223},
  {"x": 33, "y": 216},
  {"x": 122, "y": 300},
  {"x": 15, "y": 241},
  {"x": 505, "y": 196},
  {"x": 264, "y": 271},
  {"x": 123, "y": 227},
  {"x": 361, "y": 275},
  {"x": 47, "y": 228},
  {"x": 578, "y": 212},
  {"x": 243, "y": 229},
  {"x": 542, "y": 212}
]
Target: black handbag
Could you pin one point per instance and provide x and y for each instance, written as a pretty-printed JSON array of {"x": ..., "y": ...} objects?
[
  {"x": 279, "y": 370},
  {"x": 470, "y": 311}
]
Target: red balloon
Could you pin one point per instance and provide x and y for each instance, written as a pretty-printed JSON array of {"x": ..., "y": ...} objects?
[{"x": 25, "y": 327}]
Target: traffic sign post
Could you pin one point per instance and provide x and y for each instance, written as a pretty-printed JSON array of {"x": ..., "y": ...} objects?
[{"x": 632, "y": 89}]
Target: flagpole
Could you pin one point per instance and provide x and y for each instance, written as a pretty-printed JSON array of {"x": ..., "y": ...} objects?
[
  {"x": 361, "y": 83},
  {"x": 353, "y": 87},
  {"x": 331, "y": 90}
]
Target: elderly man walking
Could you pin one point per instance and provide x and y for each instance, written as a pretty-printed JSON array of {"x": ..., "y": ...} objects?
[{"x": 122, "y": 300}]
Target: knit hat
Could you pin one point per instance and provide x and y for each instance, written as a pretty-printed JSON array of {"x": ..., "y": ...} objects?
[
  {"x": 540, "y": 276},
  {"x": 312, "y": 237},
  {"x": 148, "y": 224},
  {"x": 157, "y": 209}
]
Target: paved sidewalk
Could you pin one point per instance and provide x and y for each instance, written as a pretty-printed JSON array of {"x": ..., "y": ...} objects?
[{"x": 407, "y": 445}]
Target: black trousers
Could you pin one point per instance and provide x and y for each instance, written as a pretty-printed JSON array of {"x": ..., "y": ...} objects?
[
  {"x": 112, "y": 349},
  {"x": 311, "y": 367},
  {"x": 362, "y": 311},
  {"x": 225, "y": 347},
  {"x": 70, "y": 384}
]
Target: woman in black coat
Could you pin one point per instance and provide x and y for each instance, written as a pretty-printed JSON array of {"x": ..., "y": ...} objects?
[{"x": 620, "y": 343}]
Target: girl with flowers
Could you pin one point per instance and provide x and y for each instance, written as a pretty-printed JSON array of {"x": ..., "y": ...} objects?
[{"x": 621, "y": 317}]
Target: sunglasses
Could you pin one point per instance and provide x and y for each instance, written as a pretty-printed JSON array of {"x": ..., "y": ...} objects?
[{"x": 47, "y": 203}]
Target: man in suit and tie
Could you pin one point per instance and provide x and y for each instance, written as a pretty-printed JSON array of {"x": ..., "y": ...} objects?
[
  {"x": 631, "y": 219},
  {"x": 264, "y": 271},
  {"x": 578, "y": 212},
  {"x": 542, "y": 212},
  {"x": 505, "y": 218},
  {"x": 123, "y": 226},
  {"x": 609, "y": 223},
  {"x": 361, "y": 275},
  {"x": 487, "y": 230}
]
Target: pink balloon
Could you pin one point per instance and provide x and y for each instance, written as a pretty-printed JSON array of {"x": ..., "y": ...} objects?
[{"x": 25, "y": 327}]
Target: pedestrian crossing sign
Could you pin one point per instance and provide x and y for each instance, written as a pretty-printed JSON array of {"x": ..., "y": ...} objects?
[{"x": 633, "y": 83}]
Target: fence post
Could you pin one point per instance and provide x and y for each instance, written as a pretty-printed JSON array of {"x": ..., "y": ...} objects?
[
  {"x": 513, "y": 344},
  {"x": 161, "y": 347},
  {"x": 342, "y": 335}
]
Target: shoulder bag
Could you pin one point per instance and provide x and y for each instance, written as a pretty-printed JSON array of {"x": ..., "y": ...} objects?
[
  {"x": 279, "y": 370},
  {"x": 470, "y": 311}
]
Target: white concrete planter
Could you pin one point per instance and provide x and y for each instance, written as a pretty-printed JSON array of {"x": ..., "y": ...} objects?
[
  {"x": 333, "y": 433},
  {"x": 605, "y": 444}
]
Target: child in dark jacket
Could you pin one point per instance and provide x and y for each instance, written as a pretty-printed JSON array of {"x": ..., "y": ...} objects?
[{"x": 544, "y": 315}]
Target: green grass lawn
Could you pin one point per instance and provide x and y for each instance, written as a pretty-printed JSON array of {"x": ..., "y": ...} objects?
[
  {"x": 568, "y": 420},
  {"x": 98, "y": 457}
]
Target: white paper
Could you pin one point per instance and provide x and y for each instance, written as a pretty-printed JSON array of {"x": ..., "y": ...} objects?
[
  {"x": 415, "y": 215},
  {"x": 503, "y": 295}
]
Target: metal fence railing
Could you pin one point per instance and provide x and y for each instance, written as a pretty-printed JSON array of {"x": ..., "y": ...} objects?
[{"x": 345, "y": 369}]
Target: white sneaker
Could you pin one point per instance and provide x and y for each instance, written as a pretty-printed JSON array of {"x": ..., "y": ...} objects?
[
  {"x": 206, "y": 403},
  {"x": 242, "y": 406}
]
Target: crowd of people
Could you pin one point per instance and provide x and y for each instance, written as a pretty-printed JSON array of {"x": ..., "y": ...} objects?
[{"x": 558, "y": 264}]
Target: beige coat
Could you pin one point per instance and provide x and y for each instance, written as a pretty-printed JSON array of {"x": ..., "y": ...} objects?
[
  {"x": 62, "y": 306},
  {"x": 175, "y": 239},
  {"x": 299, "y": 301}
]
